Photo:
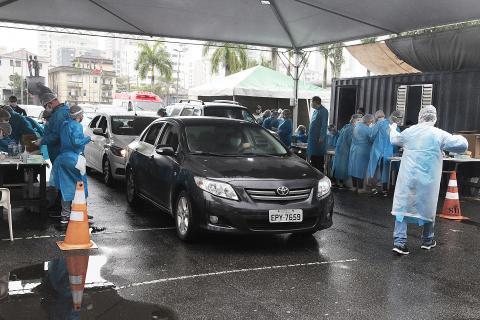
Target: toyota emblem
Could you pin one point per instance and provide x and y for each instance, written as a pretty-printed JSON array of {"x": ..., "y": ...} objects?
[{"x": 283, "y": 191}]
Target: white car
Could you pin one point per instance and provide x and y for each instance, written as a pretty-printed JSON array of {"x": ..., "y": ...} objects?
[{"x": 111, "y": 133}]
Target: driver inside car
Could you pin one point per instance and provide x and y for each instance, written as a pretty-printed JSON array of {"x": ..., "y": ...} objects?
[{"x": 237, "y": 142}]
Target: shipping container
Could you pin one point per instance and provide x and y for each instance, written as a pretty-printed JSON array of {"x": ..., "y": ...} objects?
[{"x": 455, "y": 94}]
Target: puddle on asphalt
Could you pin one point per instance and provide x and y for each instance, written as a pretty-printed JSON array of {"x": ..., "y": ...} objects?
[{"x": 70, "y": 287}]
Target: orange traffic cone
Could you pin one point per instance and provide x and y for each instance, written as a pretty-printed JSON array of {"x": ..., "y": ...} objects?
[
  {"x": 77, "y": 271},
  {"x": 78, "y": 236},
  {"x": 451, "y": 206}
]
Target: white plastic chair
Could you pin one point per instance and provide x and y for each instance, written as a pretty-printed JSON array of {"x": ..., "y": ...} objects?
[{"x": 5, "y": 203}]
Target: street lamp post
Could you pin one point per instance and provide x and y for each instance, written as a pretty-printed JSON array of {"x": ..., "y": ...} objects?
[{"x": 178, "y": 68}]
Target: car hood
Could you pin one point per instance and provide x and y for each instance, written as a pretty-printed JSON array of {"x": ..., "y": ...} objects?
[
  {"x": 272, "y": 168},
  {"x": 122, "y": 141}
]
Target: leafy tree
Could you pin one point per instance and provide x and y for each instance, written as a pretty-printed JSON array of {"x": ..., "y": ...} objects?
[
  {"x": 333, "y": 56},
  {"x": 16, "y": 84},
  {"x": 153, "y": 58},
  {"x": 232, "y": 56},
  {"x": 123, "y": 84}
]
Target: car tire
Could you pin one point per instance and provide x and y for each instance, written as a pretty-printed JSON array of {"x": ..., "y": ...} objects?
[
  {"x": 185, "y": 221},
  {"x": 131, "y": 189},
  {"x": 107, "y": 173}
]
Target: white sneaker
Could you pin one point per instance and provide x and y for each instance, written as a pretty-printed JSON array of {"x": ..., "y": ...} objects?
[{"x": 430, "y": 246}]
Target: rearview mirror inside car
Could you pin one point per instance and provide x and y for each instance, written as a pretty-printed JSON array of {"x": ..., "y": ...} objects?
[{"x": 165, "y": 151}]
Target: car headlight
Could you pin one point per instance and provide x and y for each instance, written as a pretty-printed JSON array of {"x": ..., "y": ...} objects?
[
  {"x": 119, "y": 152},
  {"x": 324, "y": 186},
  {"x": 219, "y": 189}
]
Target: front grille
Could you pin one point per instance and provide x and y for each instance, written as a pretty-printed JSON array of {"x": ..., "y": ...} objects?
[
  {"x": 264, "y": 224},
  {"x": 271, "y": 195}
]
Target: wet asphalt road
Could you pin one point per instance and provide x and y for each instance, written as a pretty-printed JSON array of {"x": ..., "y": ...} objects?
[{"x": 142, "y": 271}]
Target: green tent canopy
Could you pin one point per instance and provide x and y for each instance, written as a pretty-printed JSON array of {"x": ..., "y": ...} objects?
[{"x": 259, "y": 81}]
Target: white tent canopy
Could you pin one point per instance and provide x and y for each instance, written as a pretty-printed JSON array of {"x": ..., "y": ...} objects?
[{"x": 277, "y": 23}]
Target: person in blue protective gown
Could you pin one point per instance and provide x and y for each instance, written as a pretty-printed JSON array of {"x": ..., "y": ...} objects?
[
  {"x": 342, "y": 151},
  {"x": 5, "y": 139},
  {"x": 272, "y": 122},
  {"x": 20, "y": 125},
  {"x": 317, "y": 135},
  {"x": 70, "y": 165},
  {"x": 418, "y": 182},
  {"x": 332, "y": 137},
  {"x": 59, "y": 114},
  {"x": 301, "y": 134},
  {"x": 382, "y": 149},
  {"x": 39, "y": 130},
  {"x": 285, "y": 129},
  {"x": 360, "y": 152}
]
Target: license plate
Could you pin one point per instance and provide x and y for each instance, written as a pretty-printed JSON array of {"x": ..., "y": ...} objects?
[{"x": 286, "y": 215}]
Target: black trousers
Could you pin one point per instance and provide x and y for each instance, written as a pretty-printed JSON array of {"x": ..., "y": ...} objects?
[
  {"x": 318, "y": 162},
  {"x": 357, "y": 183}
]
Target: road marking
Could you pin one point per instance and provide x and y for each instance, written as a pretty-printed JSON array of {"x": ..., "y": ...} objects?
[
  {"x": 219, "y": 273},
  {"x": 99, "y": 233}
]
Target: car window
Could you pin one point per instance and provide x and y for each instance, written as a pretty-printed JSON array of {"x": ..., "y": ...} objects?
[
  {"x": 93, "y": 124},
  {"x": 102, "y": 123},
  {"x": 176, "y": 110},
  {"x": 247, "y": 116},
  {"x": 197, "y": 112},
  {"x": 187, "y": 112},
  {"x": 232, "y": 139},
  {"x": 170, "y": 137},
  {"x": 151, "y": 134},
  {"x": 129, "y": 125}
]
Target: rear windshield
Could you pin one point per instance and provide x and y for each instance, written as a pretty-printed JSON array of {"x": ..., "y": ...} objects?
[
  {"x": 226, "y": 112},
  {"x": 130, "y": 125}
]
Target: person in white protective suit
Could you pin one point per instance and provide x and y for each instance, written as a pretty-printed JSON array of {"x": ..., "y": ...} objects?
[{"x": 418, "y": 183}]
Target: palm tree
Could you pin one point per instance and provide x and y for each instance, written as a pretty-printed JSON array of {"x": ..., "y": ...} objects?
[
  {"x": 153, "y": 58},
  {"x": 333, "y": 55},
  {"x": 232, "y": 56}
]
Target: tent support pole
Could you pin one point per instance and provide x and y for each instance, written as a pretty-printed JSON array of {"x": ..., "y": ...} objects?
[{"x": 296, "y": 77}]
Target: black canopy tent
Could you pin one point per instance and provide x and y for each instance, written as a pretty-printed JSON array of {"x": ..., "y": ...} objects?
[{"x": 295, "y": 24}]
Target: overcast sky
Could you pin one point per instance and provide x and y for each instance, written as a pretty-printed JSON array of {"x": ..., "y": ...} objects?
[{"x": 14, "y": 39}]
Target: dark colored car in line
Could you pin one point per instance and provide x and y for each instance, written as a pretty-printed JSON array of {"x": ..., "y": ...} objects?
[{"x": 226, "y": 175}]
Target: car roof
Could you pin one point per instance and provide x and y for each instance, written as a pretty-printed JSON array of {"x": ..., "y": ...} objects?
[
  {"x": 113, "y": 113},
  {"x": 208, "y": 104},
  {"x": 195, "y": 120}
]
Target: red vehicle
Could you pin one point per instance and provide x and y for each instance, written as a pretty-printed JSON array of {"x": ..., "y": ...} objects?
[{"x": 138, "y": 101}]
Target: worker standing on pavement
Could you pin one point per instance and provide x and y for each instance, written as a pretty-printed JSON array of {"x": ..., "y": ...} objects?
[
  {"x": 382, "y": 149},
  {"x": 59, "y": 114},
  {"x": 360, "y": 152},
  {"x": 342, "y": 151},
  {"x": 70, "y": 165},
  {"x": 317, "y": 135},
  {"x": 285, "y": 129},
  {"x": 418, "y": 183}
]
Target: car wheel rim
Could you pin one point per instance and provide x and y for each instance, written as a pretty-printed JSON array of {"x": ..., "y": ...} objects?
[
  {"x": 130, "y": 187},
  {"x": 183, "y": 216},
  {"x": 106, "y": 172}
]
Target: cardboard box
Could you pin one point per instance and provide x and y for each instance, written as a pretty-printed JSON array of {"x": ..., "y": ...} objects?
[{"x": 473, "y": 143}]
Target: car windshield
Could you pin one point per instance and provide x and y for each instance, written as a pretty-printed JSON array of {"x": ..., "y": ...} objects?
[
  {"x": 232, "y": 139},
  {"x": 147, "y": 105},
  {"x": 232, "y": 113},
  {"x": 130, "y": 125}
]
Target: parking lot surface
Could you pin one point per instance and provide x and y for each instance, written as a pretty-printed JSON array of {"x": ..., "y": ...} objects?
[{"x": 143, "y": 271}]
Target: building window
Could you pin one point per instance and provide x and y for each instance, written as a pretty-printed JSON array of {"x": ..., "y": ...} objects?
[
  {"x": 18, "y": 63},
  {"x": 84, "y": 93},
  {"x": 11, "y": 63},
  {"x": 95, "y": 80}
]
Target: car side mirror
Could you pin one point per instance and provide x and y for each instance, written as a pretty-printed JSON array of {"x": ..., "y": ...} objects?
[
  {"x": 99, "y": 132},
  {"x": 165, "y": 151}
]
